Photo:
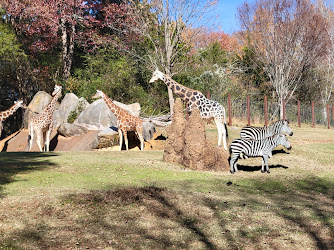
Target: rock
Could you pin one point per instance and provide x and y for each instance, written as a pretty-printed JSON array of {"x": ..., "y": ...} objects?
[
  {"x": 84, "y": 142},
  {"x": 133, "y": 109},
  {"x": 96, "y": 116},
  {"x": 148, "y": 130},
  {"x": 68, "y": 130},
  {"x": 58, "y": 118},
  {"x": 108, "y": 137}
]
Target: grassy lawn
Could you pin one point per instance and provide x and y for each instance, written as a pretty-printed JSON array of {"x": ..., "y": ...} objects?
[{"x": 134, "y": 200}]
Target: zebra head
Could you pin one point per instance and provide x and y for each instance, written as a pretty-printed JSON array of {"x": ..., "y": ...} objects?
[
  {"x": 283, "y": 140},
  {"x": 285, "y": 128}
]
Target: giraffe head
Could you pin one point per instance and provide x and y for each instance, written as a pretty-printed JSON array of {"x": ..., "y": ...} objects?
[
  {"x": 156, "y": 76},
  {"x": 56, "y": 90},
  {"x": 20, "y": 104},
  {"x": 98, "y": 94}
]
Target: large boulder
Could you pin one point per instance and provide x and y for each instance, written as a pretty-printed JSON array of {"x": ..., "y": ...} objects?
[
  {"x": 69, "y": 109},
  {"x": 69, "y": 129},
  {"x": 96, "y": 116},
  {"x": 133, "y": 109}
]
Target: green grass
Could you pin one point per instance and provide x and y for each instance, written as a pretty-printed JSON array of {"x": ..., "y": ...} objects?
[{"x": 134, "y": 200}]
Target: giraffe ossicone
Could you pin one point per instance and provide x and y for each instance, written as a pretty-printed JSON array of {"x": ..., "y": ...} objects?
[
  {"x": 42, "y": 123},
  {"x": 209, "y": 109},
  {"x": 125, "y": 121},
  {"x": 7, "y": 113}
]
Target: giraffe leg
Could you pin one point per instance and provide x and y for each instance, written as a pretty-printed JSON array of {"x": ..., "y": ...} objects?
[
  {"x": 126, "y": 140},
  {"x": 39, "y": 139},
  {"x": 120, "y": 135},
  {"x": 47, "y": 142},
  {"x": 0, "y": 128},
  {"x": 30, "y": 137},
  {"x": 221, "y": 130},
  {"x": 139, "y": 133}
]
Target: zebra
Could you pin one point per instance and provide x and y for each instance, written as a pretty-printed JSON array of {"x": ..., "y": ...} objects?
[
  {"x": 254, "y": 148},
  {"x": 259, "y": 133}
]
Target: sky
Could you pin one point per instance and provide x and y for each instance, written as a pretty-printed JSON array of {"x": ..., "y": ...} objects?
[{"x": 226, "y": 12}]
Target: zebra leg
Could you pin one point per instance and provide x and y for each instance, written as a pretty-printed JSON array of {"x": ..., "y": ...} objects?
[
  {"x": 265, "y": 158},
  {"x": 233, "y": 164},
  {"x": 262, "y": 168}
]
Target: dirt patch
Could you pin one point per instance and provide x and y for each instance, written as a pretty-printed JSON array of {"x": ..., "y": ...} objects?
[{"x": 187, "y": 143}]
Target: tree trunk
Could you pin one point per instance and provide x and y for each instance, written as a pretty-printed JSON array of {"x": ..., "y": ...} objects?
[
  {"x": 170, "y": 92},
  {"x": 68, "y": 47}
]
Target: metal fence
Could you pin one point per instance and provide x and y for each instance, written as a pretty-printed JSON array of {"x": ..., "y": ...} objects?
[{"x": 299, "y": 113}]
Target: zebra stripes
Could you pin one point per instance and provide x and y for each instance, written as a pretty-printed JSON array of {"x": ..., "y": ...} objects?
[
  {"x": 254, "y": 148},
  {"x": 259, "y": 133}
]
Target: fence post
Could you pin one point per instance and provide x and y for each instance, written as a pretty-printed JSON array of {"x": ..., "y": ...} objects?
[
  {"x": 229, "y": 110},
  {"x": 283, "y": 109},
  {"x": 328, "y": 117},
  {"x": 265, "y": 111},
  {"x": 248, "y": 110},
  {"x": 313, "y": 116},
  {"x": 208, "y": 95},
  {"x": 298, "y": 103},
  {"x": 333, "y": 112}
]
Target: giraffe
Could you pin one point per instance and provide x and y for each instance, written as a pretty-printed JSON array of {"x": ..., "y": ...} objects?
[
  {"x": 7, "y": 113},
  {"x": 209, "y": 109},
  {"x": 125, "y": 121},
  {"x": 43, "y": 122}
]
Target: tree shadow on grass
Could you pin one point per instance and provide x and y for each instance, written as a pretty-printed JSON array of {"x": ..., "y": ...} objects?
[
  {"x": 12, "y": 163},
  {"x": 156, "y": 218},
  {"x": 152, "y": 217}
]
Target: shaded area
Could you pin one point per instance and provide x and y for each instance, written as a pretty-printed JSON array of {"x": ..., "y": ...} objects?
[
  {"x": 155, "y": 217},
  {"x": 14, "y": 163},
  {"x": 247, "y": 168}
]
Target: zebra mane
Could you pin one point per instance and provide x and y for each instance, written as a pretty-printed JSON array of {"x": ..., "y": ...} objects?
[{"x": 275, "y": 127}]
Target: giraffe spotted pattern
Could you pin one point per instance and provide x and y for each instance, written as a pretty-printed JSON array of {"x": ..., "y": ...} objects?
[{"x": 209, "y": 109}]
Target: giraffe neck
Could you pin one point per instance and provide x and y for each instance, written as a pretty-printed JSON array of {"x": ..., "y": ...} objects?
[
  {"x": 183, "y": 92},
  {"x": 5, "y": 114},
  {"x": 48, "y": 110},
  {"x": 112, "y": 106}
]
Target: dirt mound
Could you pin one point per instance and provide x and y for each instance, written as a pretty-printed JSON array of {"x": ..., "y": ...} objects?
[
  {"x": 173, "y": 150},
  {"x": 187, "y": 143}
]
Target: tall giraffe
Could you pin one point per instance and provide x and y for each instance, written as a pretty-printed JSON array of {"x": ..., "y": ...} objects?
[
  {"x": 209, "y": 109},
  {"x": 7, "y": 113},
  {"x": 125, "y": 121},
  {"x": 43, "y": 122}
]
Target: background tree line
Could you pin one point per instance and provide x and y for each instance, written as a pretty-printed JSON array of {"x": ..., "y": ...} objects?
[{"x": 284, "y": 49}]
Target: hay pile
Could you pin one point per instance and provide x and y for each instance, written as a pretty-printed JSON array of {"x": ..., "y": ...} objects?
[{"x": 187, "y": 144}]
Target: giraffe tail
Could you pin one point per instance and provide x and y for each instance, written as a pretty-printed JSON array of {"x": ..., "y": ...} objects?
[
  {"x": 29, "y": 135},
  {"x": 226, "y": 130}
]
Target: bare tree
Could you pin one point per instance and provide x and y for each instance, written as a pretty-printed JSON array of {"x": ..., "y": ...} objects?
[
  {"x": 166, "y": 25},
  {"x": 326, "y": 68},
  {"x": 288, "y": 37}
]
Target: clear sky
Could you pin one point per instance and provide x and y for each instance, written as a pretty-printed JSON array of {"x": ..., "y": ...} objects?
[{"x": 226, "y": 12}]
